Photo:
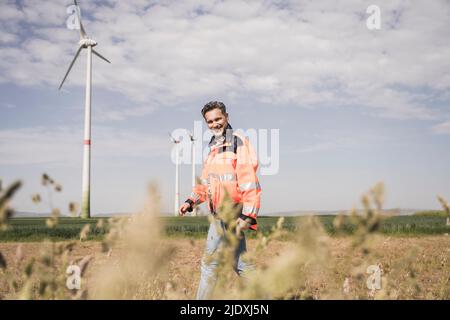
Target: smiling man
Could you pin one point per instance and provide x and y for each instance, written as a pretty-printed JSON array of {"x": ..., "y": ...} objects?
[{"x": 229, "y": 169}]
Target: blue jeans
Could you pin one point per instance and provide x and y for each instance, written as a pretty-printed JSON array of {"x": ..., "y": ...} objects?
[{"x": 208, "y": 275}]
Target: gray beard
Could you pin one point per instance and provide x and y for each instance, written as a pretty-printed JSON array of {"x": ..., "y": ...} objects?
[{"x": 217, "y": 134}]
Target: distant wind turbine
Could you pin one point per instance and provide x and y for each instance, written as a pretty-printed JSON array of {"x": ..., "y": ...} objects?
[
  {"x": 177, "y": 174},
  {"x": 85, "y": 43},
  {"x": 191, "y": 137}
]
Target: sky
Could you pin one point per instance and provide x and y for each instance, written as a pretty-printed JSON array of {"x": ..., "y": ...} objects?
[{"x": 352, "y": 105}]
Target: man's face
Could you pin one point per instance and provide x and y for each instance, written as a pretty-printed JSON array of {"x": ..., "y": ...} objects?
[{"x": 217, "y": 121}]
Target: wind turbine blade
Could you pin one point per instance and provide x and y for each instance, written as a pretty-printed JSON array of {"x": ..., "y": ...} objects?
[
  {"x": 70, "y": 67},
  {"x": 100, "y": 56},
  {"x": 171, "y": 137},
  {"x": 83, "y": 34}
]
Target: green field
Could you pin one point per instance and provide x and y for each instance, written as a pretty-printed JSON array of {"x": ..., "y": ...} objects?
[{"x": 35, "y": 229}]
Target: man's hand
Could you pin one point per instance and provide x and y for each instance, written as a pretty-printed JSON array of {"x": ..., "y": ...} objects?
[
  {"x": 241, "y": 225},
  {"x": 183, "y": 209}
]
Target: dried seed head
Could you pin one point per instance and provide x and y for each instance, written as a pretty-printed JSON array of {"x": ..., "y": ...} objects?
[
  {"x": 100, "y": 224},
  {"x": 46, "y": 259},
  {"x": 51, "y": 223},
  {"x": 29, "y": 268},
  {"x": 280, "y": 222},
  {"x": 5, "y": 197},
  {"x": 365, "y": 201},
  {"x": 378, "y": 195},
  {"x": 2, "y": 261},
  {"x": 73, "y": 208},
  {"x": 56, "y": 213},
  {"x": 36, "y": 198},
  {"x": 45, "y": 179},
  {"x": 338, "y": 222},
  {"x": 84, "y": 232},
  {"x": 444, "y": 204}
]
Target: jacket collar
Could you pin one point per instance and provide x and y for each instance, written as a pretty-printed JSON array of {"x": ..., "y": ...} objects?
[{"x": 226, "y": 138}]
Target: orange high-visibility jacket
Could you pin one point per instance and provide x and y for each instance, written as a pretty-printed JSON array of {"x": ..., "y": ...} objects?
[{"x": 231, "y": 165}]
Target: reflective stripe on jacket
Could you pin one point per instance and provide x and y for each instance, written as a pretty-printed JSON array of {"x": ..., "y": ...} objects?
[{"x": 231, "y": 165}]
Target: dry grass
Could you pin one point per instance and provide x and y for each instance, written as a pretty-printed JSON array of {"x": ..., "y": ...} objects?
[
  {"x": 136, "y": 261},
  {"x": 431, "y": 262}
]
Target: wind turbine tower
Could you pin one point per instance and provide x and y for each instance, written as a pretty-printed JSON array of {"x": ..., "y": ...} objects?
[
  {"x": 177, "y": 174},
  {"x": 191, "y": 137},
  {"x": 85, "y": 43}
]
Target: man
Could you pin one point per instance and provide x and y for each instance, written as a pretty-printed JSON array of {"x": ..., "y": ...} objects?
[{"x": 229, "y": 169}]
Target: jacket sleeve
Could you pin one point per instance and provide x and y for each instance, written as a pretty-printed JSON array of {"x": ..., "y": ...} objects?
[
  {"x": 248, "y": 183},
  {"x": 199, "y": 192}
]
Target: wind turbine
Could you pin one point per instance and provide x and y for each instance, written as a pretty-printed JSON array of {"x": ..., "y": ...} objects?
[
  {"x": 85, "y": 43},
  {"x": 191, "y": 137},
  {"x": 177, "y": 173}
]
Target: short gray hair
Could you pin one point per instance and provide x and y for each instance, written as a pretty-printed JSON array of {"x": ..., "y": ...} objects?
[{"x": 214, "y": 105}]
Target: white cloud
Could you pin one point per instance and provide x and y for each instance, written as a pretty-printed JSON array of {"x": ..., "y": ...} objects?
[
  {"x": 104, "y": 113},
  {"x": 292, "y": 52},
  {"x": 334, "y": 140},
  {"x": 442, "y": 128},
  {"x": 37, "y": 145},
  {"x": 10, "y": 12},
  {"x": 45, "y": 12},
  {"x": 325, "y": 143},
  {"x": 63, "y": 145},
  {"x": 6, "y": 37}
]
